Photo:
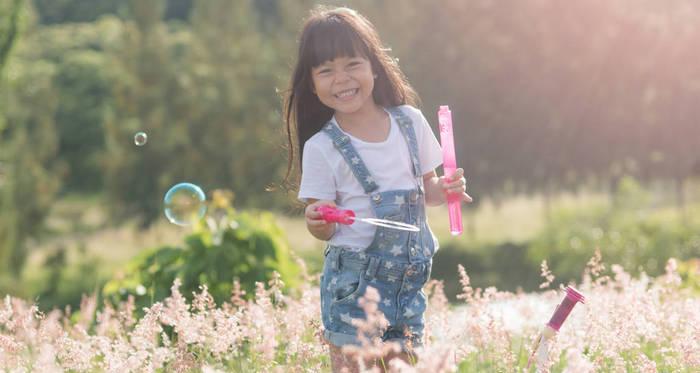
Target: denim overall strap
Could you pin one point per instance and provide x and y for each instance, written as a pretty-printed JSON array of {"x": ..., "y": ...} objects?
[
  {"x": 406, "y": 126},
  {"x": 341, "y": 142}
]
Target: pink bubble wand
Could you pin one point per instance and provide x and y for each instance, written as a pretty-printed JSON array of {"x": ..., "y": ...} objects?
[
  {"x": 541, "y": 345},
  {"x": 449, "y": 164},
  {"x": 334, "y": 215}
]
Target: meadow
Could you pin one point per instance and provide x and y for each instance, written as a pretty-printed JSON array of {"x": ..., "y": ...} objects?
[
  {"x": 481, "y": 328},
  {"x": 489, "y": 330}
]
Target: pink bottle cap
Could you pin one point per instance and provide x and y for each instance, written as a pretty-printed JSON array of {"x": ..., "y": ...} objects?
[
  {"x": 575, "y": 295},
  {"x": 565, "y": 307}
]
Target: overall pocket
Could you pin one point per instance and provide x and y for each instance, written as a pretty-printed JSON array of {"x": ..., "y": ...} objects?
[
  {"x": 388, "y": 237},
  {"x": 348, "y": 287}
]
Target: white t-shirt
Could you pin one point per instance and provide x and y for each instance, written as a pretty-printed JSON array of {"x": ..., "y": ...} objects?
[{"x": 326, "y": 175}]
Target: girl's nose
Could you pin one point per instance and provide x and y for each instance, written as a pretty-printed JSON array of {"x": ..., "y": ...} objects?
[{"x": 341, "y": 76}]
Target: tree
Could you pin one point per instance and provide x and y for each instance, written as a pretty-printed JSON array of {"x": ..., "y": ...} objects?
[
  {"x": 28, "y": 145},
  {"x": 9, "y": 27},
  {"x": 205, "y": 96},
  {"x": 136, "y": 178},
  {"x": 68, "y": 11},
  {"x": 551, "y": 95}
]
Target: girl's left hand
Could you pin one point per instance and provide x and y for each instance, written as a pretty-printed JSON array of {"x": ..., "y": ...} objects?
[{"x": 456, "y": 184}]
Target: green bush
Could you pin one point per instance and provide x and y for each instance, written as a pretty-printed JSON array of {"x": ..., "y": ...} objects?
[
  {"x": 689, "y": 271},
  {"x": 63, "y": 281},
  {"x": 59, "y": 279},
  {"x": 504, "y": 266},
  {"x": 627, "y": 233},
  {"x": 248, "y": 247}
]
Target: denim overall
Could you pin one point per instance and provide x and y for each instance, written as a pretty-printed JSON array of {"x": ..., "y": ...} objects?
[{"x": 396, "y": 263}]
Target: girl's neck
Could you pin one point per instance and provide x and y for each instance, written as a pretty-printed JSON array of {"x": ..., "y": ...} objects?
[
  {"x": 370, "y": 123},
  {"x": 366, "y": 115}
]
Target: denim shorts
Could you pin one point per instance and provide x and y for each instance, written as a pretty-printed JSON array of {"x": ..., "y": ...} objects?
[{"x": 347, "y": 274}]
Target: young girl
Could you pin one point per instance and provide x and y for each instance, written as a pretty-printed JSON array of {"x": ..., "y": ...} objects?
[{"x": 365, "y": 148}]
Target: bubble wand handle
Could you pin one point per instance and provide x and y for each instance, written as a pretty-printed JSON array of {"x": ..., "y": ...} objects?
[
  {"x": 449, "y": 164},
  {"x": 335, "y": 215}
]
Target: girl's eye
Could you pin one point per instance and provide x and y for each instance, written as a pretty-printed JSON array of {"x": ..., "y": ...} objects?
[{"x": 324, "y": 71}]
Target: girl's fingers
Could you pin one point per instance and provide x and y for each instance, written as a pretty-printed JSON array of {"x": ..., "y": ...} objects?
[
  {"x": 459, "y": 184},
  {"x": 310, "y": 212},
  {"x": 316, "y": 222},
  {"x": 456, "y": 184},
  {"x": 313, "y": 217}
]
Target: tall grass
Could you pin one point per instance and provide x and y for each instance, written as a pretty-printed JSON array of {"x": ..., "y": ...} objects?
[{"x": 627, "y": 324}]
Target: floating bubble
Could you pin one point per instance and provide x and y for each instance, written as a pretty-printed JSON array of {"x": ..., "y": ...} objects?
[
  {"x": 184, "y": 204},
  {"x": 140, "y": 138}
]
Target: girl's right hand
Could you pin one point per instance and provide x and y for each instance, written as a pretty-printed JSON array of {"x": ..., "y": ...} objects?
[{"x": 313, "y": 217}]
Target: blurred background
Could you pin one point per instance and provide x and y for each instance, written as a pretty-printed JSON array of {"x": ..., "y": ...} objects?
[{"x": 576, "y": 123}]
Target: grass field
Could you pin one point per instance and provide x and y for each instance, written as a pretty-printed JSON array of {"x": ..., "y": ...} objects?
[
  {"x": 490, "y": 331},
  {"x": 78, "y": 222},
  {"x": 268, "y": 334},
  {"x": 516, "y": 219}
]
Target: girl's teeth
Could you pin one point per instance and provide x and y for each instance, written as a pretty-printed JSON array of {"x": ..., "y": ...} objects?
[{"x": 347, "y": 93}]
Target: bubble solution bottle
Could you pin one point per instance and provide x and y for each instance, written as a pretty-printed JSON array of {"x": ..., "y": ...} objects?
[
  {"x": 541, "y": 347},
  {"x": 449, "y": 164}
]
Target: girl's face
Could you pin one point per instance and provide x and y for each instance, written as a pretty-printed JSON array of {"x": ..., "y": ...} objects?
[{"x": 344, "y": 84}]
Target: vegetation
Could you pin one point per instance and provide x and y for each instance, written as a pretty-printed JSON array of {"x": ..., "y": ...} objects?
[
  {"x": 591, "y": 99},
  {"x": 243, "y": 248},
  {"x": 203, "y": 79},
  {"x": 490, "y": 330}
]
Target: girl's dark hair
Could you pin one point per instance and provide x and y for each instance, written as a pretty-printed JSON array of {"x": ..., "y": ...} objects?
[{"x": 329, "y": 33}]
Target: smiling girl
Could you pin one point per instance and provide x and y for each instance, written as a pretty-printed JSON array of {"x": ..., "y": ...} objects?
[{"x": 364, "y": 147}]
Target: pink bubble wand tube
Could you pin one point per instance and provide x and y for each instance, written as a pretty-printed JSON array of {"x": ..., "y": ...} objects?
[
  {"x": 449, "y": 164},
  {"x": 541, "y": 346}
]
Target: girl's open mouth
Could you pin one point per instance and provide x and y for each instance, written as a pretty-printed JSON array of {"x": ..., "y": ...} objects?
[{"x": 347, "y": 93}]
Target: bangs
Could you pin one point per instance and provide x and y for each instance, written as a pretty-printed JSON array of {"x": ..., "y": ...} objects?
[{"x": 337, "y": 39}]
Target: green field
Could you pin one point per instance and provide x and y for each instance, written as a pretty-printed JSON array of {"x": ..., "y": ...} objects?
[{"x": 93, "y": 243}]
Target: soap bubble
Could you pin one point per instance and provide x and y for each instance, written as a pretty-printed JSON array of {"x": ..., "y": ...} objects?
[
  {"x": 184, "y": 204},
  {"x": 140, "y": 138}
]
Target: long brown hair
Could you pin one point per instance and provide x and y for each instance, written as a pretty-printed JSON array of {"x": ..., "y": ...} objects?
[{"x": 329, "y": 33}]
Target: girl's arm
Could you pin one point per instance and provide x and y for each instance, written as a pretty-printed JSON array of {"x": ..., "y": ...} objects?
[
  {"x": 436, "y": 188},
  {"x": 318, "y": 227}
]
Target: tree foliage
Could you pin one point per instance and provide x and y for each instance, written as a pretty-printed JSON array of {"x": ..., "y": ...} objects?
[
  {"x": 10, "y": 11},
  {"x": 29, "y": 174},
  {"x": 545, "y": 95},
  {"x": 68, "y": 11},
  {"x": 245, "y": 246},
  {"x": 205, "y": 95}
]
